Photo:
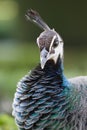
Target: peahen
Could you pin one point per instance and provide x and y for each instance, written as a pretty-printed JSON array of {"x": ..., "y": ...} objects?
[{"x": 45, "y": 99}]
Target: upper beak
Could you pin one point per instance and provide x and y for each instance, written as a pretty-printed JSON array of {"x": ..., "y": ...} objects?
[{"x": 43, "y": 57}]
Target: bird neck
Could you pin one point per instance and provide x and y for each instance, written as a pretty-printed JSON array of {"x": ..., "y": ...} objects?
[{"x": 54, "y": 69}]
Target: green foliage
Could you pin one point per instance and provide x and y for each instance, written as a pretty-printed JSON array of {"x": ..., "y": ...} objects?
[
  {"x": 7, "y": 123},
  {"x": 15, "y": 62}
]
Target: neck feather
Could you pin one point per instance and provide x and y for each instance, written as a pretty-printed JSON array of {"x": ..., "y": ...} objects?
[{"x": 53, "y": 68}]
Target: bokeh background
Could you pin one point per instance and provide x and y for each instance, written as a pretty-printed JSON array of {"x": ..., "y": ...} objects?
[{"x": 19, "y": 52}]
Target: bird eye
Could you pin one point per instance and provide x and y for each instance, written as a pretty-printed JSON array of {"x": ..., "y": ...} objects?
[{"x": 55, "y": 44}]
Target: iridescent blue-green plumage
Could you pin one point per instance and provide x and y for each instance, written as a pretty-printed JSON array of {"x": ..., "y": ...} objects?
[{"x": 45, "y": 100}]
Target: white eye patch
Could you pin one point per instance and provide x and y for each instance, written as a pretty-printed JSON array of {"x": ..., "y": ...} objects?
[
  {"x": 38, "y": 41},
  {"x": 54, "y": 37}
]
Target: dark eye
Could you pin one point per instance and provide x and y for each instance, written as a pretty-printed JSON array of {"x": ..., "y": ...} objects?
[{"x": 55, "y": 44}]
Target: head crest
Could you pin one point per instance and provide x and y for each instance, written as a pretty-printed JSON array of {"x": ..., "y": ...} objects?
[{"x": 34, "y": 16}]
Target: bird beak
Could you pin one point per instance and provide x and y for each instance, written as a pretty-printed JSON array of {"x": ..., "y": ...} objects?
[{"x": 43, "y": 57}]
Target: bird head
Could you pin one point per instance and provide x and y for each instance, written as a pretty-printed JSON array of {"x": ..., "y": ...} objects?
[
  {"x": 49, "y": 42},
  {"x": 51, "y": 46}
]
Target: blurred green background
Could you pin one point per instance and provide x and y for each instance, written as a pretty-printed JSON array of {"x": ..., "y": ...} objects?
[{"x": 19, "y": 52}]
